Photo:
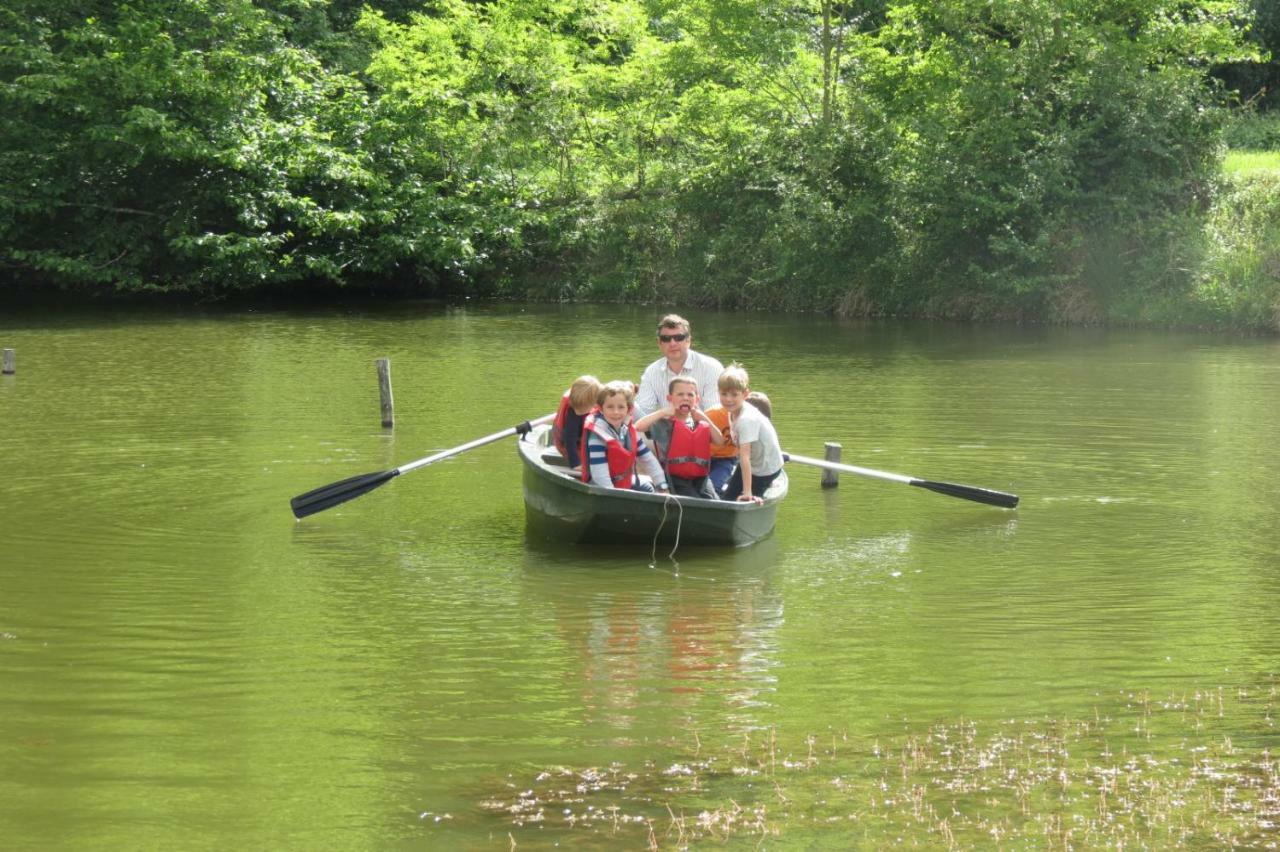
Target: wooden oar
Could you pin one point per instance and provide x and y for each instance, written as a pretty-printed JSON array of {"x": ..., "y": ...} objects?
[
  {"x": 964, "y": 492},
  {"x": 328, "y": 496}
]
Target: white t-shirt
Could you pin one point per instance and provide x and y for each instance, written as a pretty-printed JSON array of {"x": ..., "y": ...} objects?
[{"x": 754, "y": 428}]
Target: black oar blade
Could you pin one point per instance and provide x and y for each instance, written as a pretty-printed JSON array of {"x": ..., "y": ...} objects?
[
  {"x": 969, "y": 492},
  {"x": 328, "y": 496}
]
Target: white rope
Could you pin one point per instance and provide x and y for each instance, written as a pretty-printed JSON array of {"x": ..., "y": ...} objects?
[{"x": 653, "y": 551}]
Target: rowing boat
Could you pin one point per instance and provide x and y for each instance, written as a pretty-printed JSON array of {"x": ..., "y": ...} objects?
[{"x": 563, "y": 507}]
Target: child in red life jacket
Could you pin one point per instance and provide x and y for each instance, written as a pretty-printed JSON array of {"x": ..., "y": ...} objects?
[
  {"x": 687, "y": 454},
  {"x": 575, "y": 405},
  {"x": 611, "y": 447}
]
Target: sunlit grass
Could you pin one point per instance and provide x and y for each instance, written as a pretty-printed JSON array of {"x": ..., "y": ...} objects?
[
  {"x": 1186, "y": 770},
  {"x": 1249, "y": 162}
]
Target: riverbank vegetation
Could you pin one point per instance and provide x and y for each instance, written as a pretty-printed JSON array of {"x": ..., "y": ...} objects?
[{"x": 1014, "y": 159}]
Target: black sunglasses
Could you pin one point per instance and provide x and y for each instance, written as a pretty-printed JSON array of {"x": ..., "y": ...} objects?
[{"x": 678, "y": 338}]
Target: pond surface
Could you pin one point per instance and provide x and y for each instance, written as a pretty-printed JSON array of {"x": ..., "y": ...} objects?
[{"x": 184, "y": 665}]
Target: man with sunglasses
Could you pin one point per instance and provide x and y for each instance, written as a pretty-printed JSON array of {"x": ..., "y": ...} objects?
[{"x": 678, "y": 359}]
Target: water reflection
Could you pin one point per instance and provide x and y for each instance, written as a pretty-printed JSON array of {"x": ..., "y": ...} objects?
[{"x": 680, "y": 643}]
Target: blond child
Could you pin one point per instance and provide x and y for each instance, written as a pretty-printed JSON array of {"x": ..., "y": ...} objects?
[
  {"x": 759, "y": 453},
  {"x": 612, "y": 449},
  {"x": 575, "y": 405}
]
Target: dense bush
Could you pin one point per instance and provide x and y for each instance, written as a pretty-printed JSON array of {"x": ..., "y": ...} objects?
[
  {"x": 973, "y": 158},
  {"x": 1256, "y": 82},
  {"x": 984, "y": 160},
  {"x": 1238, "y": 280},
  {"x": 178, "y": 145},
  {"x": 1254, "y": 131}
]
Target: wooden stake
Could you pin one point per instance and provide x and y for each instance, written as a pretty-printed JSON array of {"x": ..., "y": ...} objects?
[
  {"x": 830, "y": 478},
  {"x": 384, "y": 391}
]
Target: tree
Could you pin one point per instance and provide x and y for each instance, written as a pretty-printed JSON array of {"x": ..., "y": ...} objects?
[
  {"x": 177, "y": 145},
  {"x": 1027, "y": 125}
]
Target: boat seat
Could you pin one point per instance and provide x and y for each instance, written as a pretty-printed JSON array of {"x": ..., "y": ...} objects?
[{"x": 553, "y": 458}]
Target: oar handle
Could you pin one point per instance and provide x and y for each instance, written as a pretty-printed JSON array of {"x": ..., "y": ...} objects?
[
  {"x": 849, "y": 468},
  {"x": 519, "y": 429}
]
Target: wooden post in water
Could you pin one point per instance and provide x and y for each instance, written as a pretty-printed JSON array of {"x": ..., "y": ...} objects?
[
  {"x": 831, "y": 452},
  {"x": 9, "y": 368},
  {"x": 384, "y": 391}
]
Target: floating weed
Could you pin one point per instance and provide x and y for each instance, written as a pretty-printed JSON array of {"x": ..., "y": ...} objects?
[{"x": 1148, "y": 773}]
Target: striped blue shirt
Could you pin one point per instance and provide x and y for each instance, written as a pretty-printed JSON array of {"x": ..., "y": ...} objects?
[{"x": 598, "y": 456}]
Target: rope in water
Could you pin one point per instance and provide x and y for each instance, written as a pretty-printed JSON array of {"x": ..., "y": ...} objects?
[{"x": 653, "y": 551}]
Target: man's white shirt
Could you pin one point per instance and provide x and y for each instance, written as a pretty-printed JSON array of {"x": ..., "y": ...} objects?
[{"x": 657, "y": 377}]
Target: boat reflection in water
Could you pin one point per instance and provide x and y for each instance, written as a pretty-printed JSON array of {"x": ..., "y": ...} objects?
[
  {"x": 561, "y": 507},
  {"x": 652, "y": 654}
]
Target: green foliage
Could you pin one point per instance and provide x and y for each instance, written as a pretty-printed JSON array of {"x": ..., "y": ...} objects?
[
  {"x": 1238, "y": 280},
  {"x": 961, "y": 157},
  {"x": 1257, "y": 81},
  {"x": 179, "y": 146},
  {"x": 1253, "y": 131},
  {"x": 1028, "y": 125}
]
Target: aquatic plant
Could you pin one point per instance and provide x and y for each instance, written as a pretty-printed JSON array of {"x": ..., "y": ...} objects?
[{"x": 1194, "y": 769}]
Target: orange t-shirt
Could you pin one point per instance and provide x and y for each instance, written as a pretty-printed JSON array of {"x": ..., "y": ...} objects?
[{"x": 720, "y": 417}]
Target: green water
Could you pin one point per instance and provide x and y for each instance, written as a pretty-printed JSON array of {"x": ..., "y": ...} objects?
[{"x": 184, "y": 665}]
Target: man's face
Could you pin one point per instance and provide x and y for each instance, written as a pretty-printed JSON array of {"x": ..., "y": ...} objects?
[
  {"x": 683, "y": 397},
  {"x": 674, "y": 343}
]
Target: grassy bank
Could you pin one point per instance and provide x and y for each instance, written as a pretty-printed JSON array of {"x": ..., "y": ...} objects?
[{"x": 1245, "y": 163}]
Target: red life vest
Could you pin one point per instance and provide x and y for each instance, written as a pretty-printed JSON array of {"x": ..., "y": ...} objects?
[
  {"x": 689, "y": 453},
  {"x": 622, "y": 460},
  {"x": 557, "y": 427}
]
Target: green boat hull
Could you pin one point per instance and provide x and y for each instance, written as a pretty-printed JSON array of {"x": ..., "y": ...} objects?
[{"x": 563, "y": 508}]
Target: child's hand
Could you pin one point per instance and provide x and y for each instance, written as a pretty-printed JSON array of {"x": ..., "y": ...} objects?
[{"x": 747, "y": 498}]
